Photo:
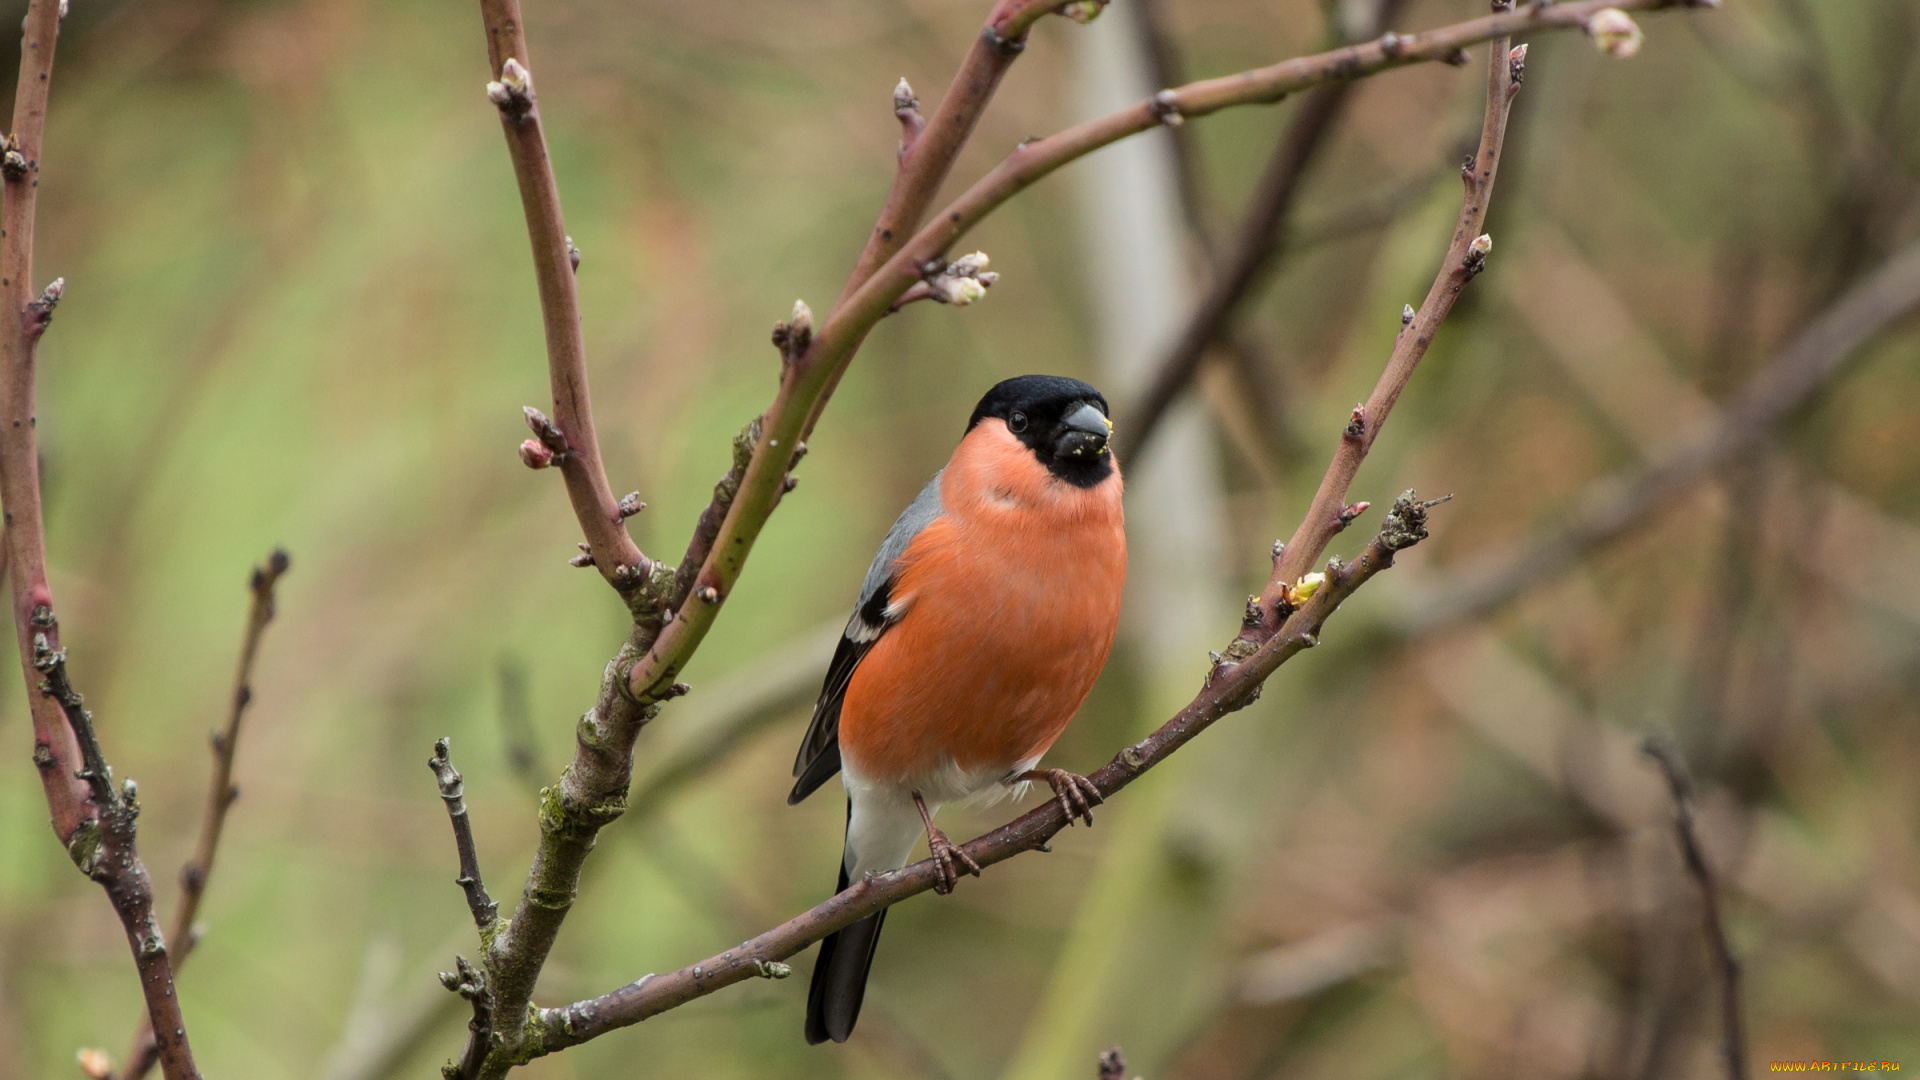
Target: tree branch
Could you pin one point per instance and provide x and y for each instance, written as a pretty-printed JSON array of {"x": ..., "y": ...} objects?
[
  {"x": 1230, "y": 687},
  {"x": 1733, "y": 1048},
  {"x": 453, "y": 791},
  {"x": 1257, "y": 246},
  {"x": 221, "y": 792},
  {"x": 554, "y": 263},
  {"x": 1816, "y": 357},
  {"x": 674, "y": 610},
  {"x": 808, "y": 375},
  {"x": 95, "y": 822}
]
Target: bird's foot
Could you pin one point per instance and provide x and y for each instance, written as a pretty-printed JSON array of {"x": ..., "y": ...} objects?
[
  {"x": 1077, "y": 794},
  {"x": 949, "y": 858}
]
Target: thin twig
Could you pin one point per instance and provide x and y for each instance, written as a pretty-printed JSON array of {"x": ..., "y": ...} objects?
[
  {"x": 1258, "y": 244},
  {"x": 221, "y": 792},
  {"x": 1231, "y": 686},
  {"x": 554, "y": 257},
  {"x": 1733, "y": 1047},
  {"x": 96, "y": 822},
  {"x": 1465, "y": 258},
  {"x": 453, "y": 791},
  {"x": 1816, "y": 357}
]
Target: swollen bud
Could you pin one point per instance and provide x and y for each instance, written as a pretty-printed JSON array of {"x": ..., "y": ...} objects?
[
  {"x": 534, "y": 455},
  {"x": 1614, "y": 32}
]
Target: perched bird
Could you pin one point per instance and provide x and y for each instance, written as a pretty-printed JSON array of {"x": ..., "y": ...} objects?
[{"x": 979, "y": 630}]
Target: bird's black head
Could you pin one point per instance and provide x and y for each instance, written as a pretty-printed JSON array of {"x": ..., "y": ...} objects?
[{"x": 1063, "y": 421}]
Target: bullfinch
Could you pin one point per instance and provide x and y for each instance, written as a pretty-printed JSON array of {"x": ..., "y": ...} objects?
[{"x": 979, "y": 631}]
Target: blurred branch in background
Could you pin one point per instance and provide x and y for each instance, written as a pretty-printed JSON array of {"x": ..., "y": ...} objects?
[
  {"x": 1611, "y": 507},
  {"x": 1733, "y": 1032},
  {"x": 221, "y": 793}
]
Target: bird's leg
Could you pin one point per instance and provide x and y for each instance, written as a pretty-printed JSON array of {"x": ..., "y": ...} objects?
[
  {"x": 1076, "y": 793},
  {"x": 945, "y": 853}
]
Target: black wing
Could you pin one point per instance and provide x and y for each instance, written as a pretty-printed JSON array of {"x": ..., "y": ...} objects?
[{"x": 873, "y": 614}]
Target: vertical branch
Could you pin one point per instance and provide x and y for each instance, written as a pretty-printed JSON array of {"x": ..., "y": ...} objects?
[
  {"x": 555, "y": 260},
  {"x": 1466, "y": 257},
  {"x": 1733, "y": 1047},
  {"x": 95, "y": 822},
  {"x": 221, "y": 792},
  {"x": 55, "y": 752}
]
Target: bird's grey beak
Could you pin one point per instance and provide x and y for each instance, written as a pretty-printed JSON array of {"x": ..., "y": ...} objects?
[{"x": 1084, "y": 433}]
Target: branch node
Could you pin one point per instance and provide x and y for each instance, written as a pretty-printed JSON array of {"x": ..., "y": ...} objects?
[
  {"x": 1455, "y": 58},
  {"x": 1516, "y": 68},
  {"x": 1005, "y": 46},
  {"x": 1406, "y": 523},
  {"x": 708, "y": 594},
  {"x": 1253, "y": 617},
  {"x": 573, "y": 255},
  {"x": 1348, "y": 513},
  {"x": 584, "y": 559},
  {"x": 630, "y": 505},
  {"x": 1165, "y": 107},
  {"x": 512, "y": 92},
  {"x": 1112, "y": 1065},
  {"x": 1406, "y": 315},
  {"x": 960, "y": 282},
  {"x": 1391, "y": 44},
  {"x": 1356, "y": 424}
]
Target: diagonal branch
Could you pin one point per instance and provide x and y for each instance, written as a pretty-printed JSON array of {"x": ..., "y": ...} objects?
[
  {"x": 1231, "y": 687},
  {"x": 1257, "y": 246},
  {"x": 1810, "y": 362},
  {"x": 555, "y": 260},
  {"x": 808, "y": 375},
  {"x": 95, "y": 822},
  {"x": 221, "y": 792}
]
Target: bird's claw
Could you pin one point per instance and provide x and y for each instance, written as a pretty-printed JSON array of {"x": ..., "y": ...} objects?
[
  {"x": 1077, "y": 794},
  {"x": 949, "y": 859}
]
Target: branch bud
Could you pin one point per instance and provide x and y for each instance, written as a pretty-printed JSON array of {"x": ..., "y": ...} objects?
[
  {"x": 630, "y": 505},
  {"x": 93, "y": 1061},
  {"x": 513, "y": 91},
  {"x": 13, "y": 164},
  {"x": 1614, "y": 32},
  {"x": 794, "y": 336},
  {"x": 1165, "y": 107},
  {"x": 535, "y": 456},
  {"x": 1406, "y": 314},
  {"x": 1517, "y": 66},
  {"x": 40, "y": 312},
  {"x": 1477, "y": 253},
  {"x": 1083, "y": 11}
]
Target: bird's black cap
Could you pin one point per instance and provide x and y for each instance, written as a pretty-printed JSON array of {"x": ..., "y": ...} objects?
[{"x": 1063, "y": 421}]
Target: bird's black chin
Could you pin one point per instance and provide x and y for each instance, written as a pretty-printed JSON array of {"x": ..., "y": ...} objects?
[
  {"x": 1081, "y": 460},
  {"x": 1078, "y": 445}
]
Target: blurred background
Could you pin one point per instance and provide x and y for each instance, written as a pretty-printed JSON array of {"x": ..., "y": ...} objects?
[{"x": 300, "y": 311}]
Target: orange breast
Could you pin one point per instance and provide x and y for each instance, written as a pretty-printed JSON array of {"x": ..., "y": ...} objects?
[{"x": 1014, "y": 595}]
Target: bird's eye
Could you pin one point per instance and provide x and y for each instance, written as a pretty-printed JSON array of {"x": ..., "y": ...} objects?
[{"x": 1017, "y": 422}]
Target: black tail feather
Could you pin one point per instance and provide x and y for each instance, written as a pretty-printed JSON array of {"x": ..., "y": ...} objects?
[{"x": 840, "y": 973}]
